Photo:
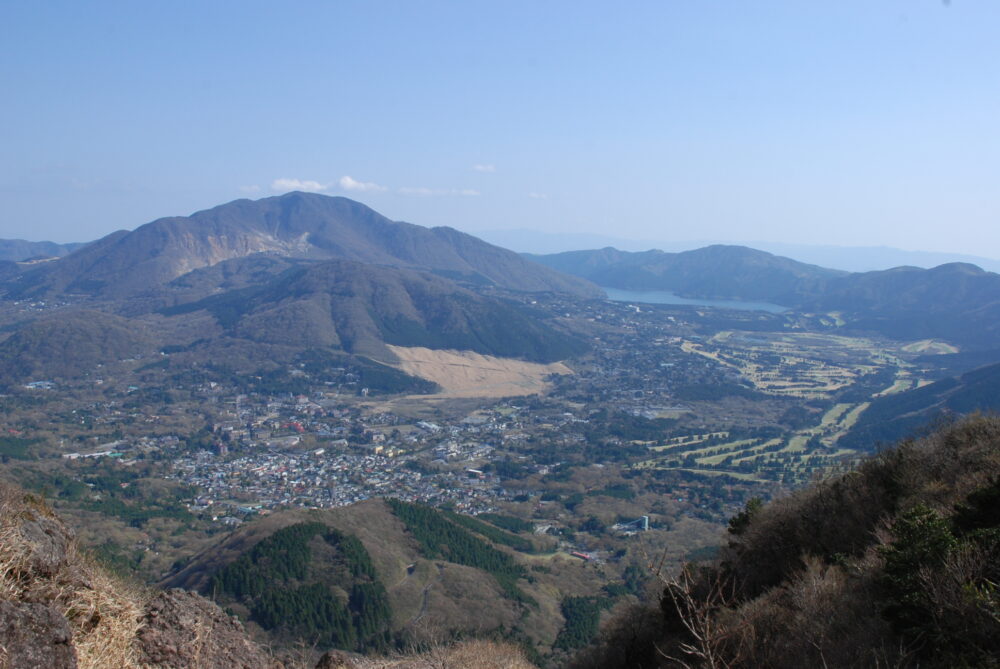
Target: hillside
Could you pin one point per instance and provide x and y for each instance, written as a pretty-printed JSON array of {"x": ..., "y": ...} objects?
[
  {"x": 891, "y": 564},
  {"x": 9, "y": 269},
  {"x": 71, "y": 345},
  {"x": 60, "y": 610},
  {"x": 259, "y": 311},
  {"x": 957, "y": 302},
  {"x": 894, "y": 417},
  {"x": 716, "y": 272},
  {"x": 295, "y": 225},
  {"x": 19, "y": 249},
  {"x": 360, "y": 308},
  {"x": 397, "y": 573}
]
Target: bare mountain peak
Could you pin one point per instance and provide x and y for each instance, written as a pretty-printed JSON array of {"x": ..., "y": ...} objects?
[{"x": 293, "y": 225}]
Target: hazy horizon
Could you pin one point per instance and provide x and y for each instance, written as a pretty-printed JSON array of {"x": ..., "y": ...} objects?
[
  {"x": 849, "y": 125},
  {"x": 850, "y": 258}
]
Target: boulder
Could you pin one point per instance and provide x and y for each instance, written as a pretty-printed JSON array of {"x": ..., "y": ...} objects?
[{"x": 34, "y": 635}]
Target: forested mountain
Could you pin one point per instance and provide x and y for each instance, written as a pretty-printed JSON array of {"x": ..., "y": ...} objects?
[
  {"x": 299, "y": 272},
  {"x": 326, "y": 314},
  {"x": 894, "y": 417},
  {"x": 71, "y": 345},
  {"x": 295, "y": 225},
  {"x": 363, "y": 576},
  {"x": 957, "y": 302},
  {"x": 711, "y": 272}
]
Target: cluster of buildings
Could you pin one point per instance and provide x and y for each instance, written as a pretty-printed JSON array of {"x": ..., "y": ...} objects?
[{"x": 323, "y": 478}]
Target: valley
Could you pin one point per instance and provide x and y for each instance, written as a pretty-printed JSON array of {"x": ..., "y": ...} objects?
[
  {"x": 465, "y": 434},
  {"x": 665, "y": 418}
]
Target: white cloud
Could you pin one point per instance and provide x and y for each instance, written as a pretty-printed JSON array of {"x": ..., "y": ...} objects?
[
  {"x": 350, "y": 183},
  {"x": 538, "y": 196},
  {"x": 412, "y": 190},
  {"x": 484, "y": 167},
  {"x": 420, "y": 191},
  {"x": 250, "y": 189},
  {"x": 309, "y": 186}
]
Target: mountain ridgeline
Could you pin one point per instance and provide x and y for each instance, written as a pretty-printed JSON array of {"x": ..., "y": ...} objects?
[
  {"x": 19, "y": 250},
  {"x": 957, "y": 301},
  {"x": 722, "y": 272},
  {"x": 295, "y": 225}
]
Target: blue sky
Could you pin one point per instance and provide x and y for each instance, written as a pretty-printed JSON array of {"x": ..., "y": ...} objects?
[{"x": 848, "y": 122}]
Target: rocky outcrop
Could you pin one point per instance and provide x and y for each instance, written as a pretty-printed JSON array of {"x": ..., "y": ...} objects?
[
  {"x": 183, "y": 629},
  {"x": 35, "y": 635},
  {"x": 60, "y": 611}
]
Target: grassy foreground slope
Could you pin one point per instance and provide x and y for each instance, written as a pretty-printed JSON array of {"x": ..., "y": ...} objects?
[{"x": 893, "y": 564}]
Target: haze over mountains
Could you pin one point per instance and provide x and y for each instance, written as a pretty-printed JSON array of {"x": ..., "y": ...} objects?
[
  {"x": 20, "y": 250},
  {"x": 845, "y": 258},
  {"x": 722, "y": 272},
  {"x": 957, "y": 301}
]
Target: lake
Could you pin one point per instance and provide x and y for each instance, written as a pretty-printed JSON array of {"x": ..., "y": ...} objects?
[{"x": 666, "y": 297}]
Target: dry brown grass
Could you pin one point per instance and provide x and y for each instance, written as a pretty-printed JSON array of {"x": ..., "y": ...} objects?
[
  {"x": 104, "y": 612},
  {"x": 469, "y": 374},
  {"x": 478, "y": 654},
  {"x": 105, "y": 619}
]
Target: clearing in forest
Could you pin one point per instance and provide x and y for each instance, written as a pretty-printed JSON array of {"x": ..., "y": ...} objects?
[{"x": 469, "y": 374}]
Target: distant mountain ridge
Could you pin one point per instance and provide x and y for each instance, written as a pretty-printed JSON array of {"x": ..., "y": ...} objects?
[
  {"x": 714, "y": 272},
  {"x": 958, "y": 302},
  {"x": 296, "y": 225},
  {"x": 845, "y": 258},
  {"x": 18, "y": 249}
]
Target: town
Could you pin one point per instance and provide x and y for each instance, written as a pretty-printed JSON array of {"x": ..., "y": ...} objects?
[{"x": 677, "y": 414}]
